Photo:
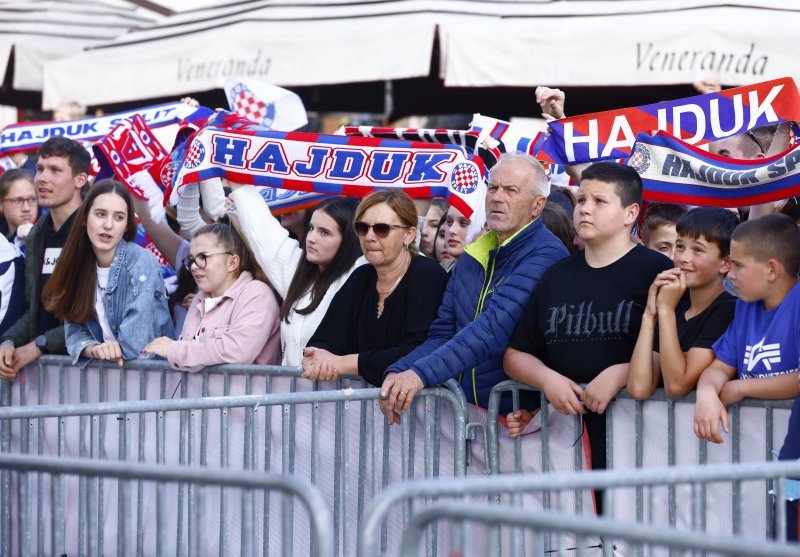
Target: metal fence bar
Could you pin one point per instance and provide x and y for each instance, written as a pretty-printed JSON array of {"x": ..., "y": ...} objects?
[
  {"x": 608, "y": 479},
  {"x": 289, "y": 486},
  {"x": 95, "y": 413},
  {"x": 566, "y": 523}
]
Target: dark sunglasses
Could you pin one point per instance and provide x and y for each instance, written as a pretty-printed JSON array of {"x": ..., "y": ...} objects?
[
  {"x": 201, "y": 260},
  {"x": 381, "y": 229}
]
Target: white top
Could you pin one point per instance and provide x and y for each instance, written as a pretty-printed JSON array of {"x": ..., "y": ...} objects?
[
  {"x": 278, "y": 255},
  {"x": 99, "y": 309}
]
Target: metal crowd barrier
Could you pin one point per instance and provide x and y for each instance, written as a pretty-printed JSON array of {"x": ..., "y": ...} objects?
[
  {"x": 250, "y": 485},
  {"x": 559, "y": 531},
  {"x": 634, "y": 535},
  {"x": 655, "y": 432},
  {"x": 337, "y": 439}
]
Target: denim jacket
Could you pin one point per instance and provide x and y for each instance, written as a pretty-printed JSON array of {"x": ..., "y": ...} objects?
[{"x": 135, "y": 303}]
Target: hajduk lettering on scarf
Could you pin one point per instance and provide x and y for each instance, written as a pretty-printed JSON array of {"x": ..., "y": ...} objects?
[
  {"x": 696, "y": 120},
  {"x": 335, "y": 165},
  {"x": 675, "y": 172},
  {"x": 278, "y": 200},
  {"x": 30, "y": 135},
  {"x": 469, "y": 141}
]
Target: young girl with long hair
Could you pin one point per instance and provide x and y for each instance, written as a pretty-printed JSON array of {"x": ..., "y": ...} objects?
[
  {"x": 107, "y": 289},
  {"x": 233, "y": 319},
  {"x": 306, "y": 275}
]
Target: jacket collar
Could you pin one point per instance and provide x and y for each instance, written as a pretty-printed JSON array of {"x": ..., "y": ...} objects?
[
  {"x": 116, "y": 266},
  {"x": 482, "y": 248}
]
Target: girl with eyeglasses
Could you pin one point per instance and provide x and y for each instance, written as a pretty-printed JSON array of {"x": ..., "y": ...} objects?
[
  {"x": 306, "y": 274},
  {"x": 107, "y": 289},
  {"x": 384, "y": 309},
  {"x": 19, "y": 207},
  {"x": 233, "y": 319}
]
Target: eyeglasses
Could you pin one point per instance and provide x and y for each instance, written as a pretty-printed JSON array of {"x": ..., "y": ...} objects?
[
  {"x": 201, "y": 260},
  {"x": 381, "y": 229},
  {"x": 752, "y": 136},
  {"x": 18, "y": 201}
]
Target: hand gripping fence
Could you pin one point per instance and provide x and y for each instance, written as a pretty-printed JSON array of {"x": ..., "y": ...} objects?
[
  {"x": 336, "y": 439},
  {"x": 248, "y": 483},
  {"x": 458, "y": 500}
]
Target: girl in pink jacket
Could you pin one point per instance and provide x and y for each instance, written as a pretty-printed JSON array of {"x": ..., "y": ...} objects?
[{"x": 234, "y": 319}]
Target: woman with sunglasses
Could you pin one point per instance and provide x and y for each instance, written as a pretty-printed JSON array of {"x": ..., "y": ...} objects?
[
  {"x": 233, "y": 319},
  {"x": 107, "y": 289},
  {"x": 306, "y": 274},
  {"x": 385, "y": 308}
]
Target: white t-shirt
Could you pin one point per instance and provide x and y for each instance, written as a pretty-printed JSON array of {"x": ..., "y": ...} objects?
[{"x": 102, "y": 282}]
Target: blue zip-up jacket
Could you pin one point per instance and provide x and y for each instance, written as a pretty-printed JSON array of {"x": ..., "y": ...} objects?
[
  {"x": 135, "y": 303},
  {"x": 487, "y": 293}
]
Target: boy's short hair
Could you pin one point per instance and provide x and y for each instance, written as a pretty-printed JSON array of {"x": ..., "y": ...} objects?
[
  {"x": 713, "y": 223},
  {"x": 627, "y": 183},
  {"x": 658, "y": 215},
  {"x": 771, "y": 237},
  {"x": 78, "y": 157}
]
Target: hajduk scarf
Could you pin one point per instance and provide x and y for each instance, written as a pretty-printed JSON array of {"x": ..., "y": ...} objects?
[
  {"x": 131, "y": 148},
  {"x": 696, "y": 120},
  {"x": 334, "y": 165},
  {"x": 278, "y": 200},
  {"x": 470, "y": 141},
  {"x": 673, "y": 171},
  {"x": 521, "y": 139},
  {"x": 126, "y": 154},
  {"x": 28, "y": 136},
  {"x": 512, "y": 137}
]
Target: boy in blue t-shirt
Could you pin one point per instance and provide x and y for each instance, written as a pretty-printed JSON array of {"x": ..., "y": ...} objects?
[{"x": 761, "y": 345}]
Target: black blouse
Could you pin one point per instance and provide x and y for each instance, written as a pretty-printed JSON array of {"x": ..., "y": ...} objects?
[{"x": 352, "y": 326}]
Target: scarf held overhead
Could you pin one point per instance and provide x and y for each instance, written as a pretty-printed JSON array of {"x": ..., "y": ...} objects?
[
  {"x": 338, "y": 165},
  {"x": 130, "y": 148},
  {"x": 675, "y": 172},
  {"x": 696, "y": 120},
  {"x": 30, "y": 135}
]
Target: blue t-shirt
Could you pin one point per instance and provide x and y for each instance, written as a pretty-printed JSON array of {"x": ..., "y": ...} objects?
[{"x": 761, "y": 343}]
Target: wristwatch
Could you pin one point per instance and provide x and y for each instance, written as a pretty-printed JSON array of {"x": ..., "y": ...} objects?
[{"x": 41, "y": 343}]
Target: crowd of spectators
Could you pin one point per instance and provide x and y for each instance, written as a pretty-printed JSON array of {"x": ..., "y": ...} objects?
[{"x": 556, "y": 290}]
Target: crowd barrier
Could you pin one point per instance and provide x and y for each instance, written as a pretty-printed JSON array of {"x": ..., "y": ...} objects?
[
  {"x": 557, "y": 530},
  {"x": 657, "y": 432},
  {"x": 635, "y": 536},
  {"x": 346, "y": 447},
  {"x": 333, "y": 435},
  {"x": 252, "y": 487}
]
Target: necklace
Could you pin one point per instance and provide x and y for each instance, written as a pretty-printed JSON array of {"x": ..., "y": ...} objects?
[{"x": 387, "y": 292}]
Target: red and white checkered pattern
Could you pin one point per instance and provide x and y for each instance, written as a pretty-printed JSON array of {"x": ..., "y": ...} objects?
[
  {"x": 247, "y": 105},
  {"x": 195, "y": 155},
  {"x": 465, "y": 178}
]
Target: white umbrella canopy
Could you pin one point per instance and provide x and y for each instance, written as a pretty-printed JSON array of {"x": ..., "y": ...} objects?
[
  {"x": 36, "y": 31},
  {"x": 481, "y": 44},
  {"x": 286, "y": 43},
  {"x": 628, "y": 43}
]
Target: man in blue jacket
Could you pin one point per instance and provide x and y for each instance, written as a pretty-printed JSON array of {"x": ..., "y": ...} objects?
[{"x": 489, "y": 289}]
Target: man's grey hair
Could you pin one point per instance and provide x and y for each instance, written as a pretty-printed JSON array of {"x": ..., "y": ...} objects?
[{"x": 539, "y": 180}]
